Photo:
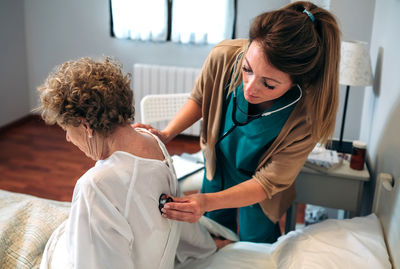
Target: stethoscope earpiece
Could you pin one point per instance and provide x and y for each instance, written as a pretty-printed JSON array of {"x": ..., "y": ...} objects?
[{"x": 163, "y": 200}]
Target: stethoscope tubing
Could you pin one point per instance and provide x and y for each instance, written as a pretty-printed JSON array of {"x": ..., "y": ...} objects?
[{"x": 237, "y": 123}]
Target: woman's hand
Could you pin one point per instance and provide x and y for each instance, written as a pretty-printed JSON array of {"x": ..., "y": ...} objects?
[
  {"x": 189, "y": 208},
  {"x": 163, "y": 137},
  {"x": 221, "y": 242}
]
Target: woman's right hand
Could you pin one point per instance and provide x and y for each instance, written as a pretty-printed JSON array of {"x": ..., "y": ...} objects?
[
  {"x": 161, "y": 135},
  {"x": 189, "y": 208}
]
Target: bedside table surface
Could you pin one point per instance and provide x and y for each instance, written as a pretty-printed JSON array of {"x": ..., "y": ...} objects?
[{"x": 342, "y": 171}]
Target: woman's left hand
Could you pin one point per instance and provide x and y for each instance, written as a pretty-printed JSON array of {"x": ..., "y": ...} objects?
[{"x": 189, "y": 208}]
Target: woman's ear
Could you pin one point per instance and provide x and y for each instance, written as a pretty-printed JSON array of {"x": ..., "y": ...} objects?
[{"x": 89, "y": 130}]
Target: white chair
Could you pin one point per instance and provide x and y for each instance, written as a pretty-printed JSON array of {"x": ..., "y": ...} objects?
[{"x": 159, "y": 109}]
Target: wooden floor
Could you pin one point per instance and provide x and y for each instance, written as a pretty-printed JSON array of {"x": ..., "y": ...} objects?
[{"x": 36, "y": 159}]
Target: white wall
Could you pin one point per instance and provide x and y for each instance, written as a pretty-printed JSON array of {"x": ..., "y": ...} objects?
[
  {"x": 247, "y": 10},
  {"x": 380, "y": 118},
  {"x": 14, "y": 94},
  {"x": 355, "y": 18},
  {"x": 381, "y": 114},
  {"x": 58, "y": 30}
]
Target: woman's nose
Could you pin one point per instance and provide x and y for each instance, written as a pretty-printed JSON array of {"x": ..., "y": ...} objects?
[
  {"x": 67, "y": 137},
  {"x": 250, "y": 85}
]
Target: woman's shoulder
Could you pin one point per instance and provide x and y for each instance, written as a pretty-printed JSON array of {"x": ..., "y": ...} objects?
[
  {"x": 222, "y": 57},
  {"x": 112, "y": 178},
  {"x": 118, "y": 170},
  {"x": 109, "y": 179},
  {"x": 115, "y": 167},
  {"x": 232, "y": 43},
  {"x": 229, "y": 47}
]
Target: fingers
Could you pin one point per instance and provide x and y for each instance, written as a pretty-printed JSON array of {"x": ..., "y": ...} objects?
[
  {"x": 188, "y": 208},
  {"x": 151, "y": 129},
  {"x": 180, "y": 199},
  {"x": 147, "y": 127},
  {"x": 179, "y": 215},
  {"x": 181, "y": 206},
  {"x": 182, "y": 210},
  {"x": 141, "y": 125},
  {"x": 221, "y": 242}
]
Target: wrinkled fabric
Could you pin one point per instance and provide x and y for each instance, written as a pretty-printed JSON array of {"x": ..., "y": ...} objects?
[{"x": 115, "y": 221}]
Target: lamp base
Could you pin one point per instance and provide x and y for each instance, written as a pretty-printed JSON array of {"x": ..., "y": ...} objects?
[{"x": 347, "y": 146}]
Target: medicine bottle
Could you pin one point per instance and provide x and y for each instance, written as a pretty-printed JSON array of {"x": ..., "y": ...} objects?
[{"x": 358, "y": 155}]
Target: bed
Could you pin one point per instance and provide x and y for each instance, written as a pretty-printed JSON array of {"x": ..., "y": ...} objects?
[
  {"x": 373, "y": 241},
  {"x": 26, "y": 223}
]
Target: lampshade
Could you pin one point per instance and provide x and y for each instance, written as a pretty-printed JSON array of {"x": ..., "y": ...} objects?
[{"x": 355, "y": 64}]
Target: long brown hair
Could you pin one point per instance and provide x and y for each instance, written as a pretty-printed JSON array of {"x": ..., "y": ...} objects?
[{"x": 307, "y": 47}]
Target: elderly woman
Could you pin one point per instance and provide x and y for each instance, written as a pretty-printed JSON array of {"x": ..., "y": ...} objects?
[{"x": 114, "y": 221}]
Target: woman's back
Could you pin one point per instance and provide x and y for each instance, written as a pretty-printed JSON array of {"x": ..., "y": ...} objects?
[{"x": 115, "y": 221}]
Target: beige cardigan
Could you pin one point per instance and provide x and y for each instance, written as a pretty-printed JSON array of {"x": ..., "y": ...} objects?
[{"x": 281, "y": 163}]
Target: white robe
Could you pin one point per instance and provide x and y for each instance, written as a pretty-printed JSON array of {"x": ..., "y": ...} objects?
[{"x": 115, "y": 221}]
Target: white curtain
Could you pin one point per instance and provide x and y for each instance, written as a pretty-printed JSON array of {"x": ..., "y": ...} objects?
[
  {"x": 145, "y": 20},
  {"x": 202, "y": 21}
]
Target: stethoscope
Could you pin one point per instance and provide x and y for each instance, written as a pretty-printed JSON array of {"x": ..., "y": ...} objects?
[
  {"x": 163, "y": 200},
  {"x": 250, "y": 118}
]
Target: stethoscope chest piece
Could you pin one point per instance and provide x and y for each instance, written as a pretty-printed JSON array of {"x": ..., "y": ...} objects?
[{"x": 163, "y": 200}]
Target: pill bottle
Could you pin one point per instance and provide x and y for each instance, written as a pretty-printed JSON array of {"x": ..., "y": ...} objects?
[{"x": 358, "y": 155}]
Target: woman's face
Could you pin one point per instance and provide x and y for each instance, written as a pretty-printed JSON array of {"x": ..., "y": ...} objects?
[{"x": 262, "y": 82}]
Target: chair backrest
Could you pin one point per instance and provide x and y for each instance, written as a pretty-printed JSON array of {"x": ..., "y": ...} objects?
[{"x": 161, "y": 107}]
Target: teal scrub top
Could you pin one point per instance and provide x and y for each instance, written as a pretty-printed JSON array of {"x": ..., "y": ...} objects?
[{"x": 239, "y": 152}]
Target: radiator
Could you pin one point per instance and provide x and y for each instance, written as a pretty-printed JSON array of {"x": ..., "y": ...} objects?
[{"x": 158, "y": 79}]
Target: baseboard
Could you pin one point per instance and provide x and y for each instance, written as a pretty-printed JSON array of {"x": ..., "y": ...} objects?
[
  {"x": 37, "y": 117},
  {"x": 19, "y": 122}
]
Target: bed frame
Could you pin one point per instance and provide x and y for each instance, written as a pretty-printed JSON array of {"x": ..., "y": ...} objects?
[{"x": 387, "y": 207}]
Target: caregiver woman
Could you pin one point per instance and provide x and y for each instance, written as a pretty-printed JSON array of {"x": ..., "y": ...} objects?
[{"x": 265, "y": 103}]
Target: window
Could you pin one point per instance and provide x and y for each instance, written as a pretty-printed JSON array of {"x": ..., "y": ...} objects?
[
  {"x": 140, "y": 20},
  {"x": 183, "y": 21}
]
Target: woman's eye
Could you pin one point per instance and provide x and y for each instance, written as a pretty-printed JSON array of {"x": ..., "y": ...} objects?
[
  {"x": 268, "y": 86},
  {"x": 247, "y": 70}
]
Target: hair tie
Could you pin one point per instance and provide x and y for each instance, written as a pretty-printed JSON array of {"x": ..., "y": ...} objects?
[{"x": 309, "y": 14}]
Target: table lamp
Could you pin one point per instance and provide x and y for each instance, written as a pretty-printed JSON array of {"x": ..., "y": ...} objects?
[{"x": 355, "y": 70}]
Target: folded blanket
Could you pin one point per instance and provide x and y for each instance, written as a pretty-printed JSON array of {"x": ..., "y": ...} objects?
[{"x": 26, "y": 223}]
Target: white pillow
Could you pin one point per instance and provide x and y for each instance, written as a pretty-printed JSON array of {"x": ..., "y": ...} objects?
[{"x": 349, "y": 243}]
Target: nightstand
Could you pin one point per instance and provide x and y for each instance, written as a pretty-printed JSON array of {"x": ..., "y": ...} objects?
[{"x": 340, "y": 188}]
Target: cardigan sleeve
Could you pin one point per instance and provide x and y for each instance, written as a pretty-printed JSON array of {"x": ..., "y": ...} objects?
[
  {"x": 207, "y": 77},
  {"x": 278, "y": 173},
  {"x": 216, "y": 69},
  {"x": 282, "y": 168}
]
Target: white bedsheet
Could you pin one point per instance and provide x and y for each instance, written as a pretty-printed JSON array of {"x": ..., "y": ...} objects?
[
  {"x": 354, "y": 243},
  {"x": 332, "y": 244}
]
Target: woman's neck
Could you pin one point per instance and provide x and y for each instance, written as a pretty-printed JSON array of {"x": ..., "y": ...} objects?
[
  {"x": 127, "y": 139},
  {"x": 255, "y": 109},
  {"x": 121, "y": 139}
]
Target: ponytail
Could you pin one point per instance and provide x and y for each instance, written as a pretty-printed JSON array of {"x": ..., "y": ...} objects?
[{"x": 303, "y": 41}]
